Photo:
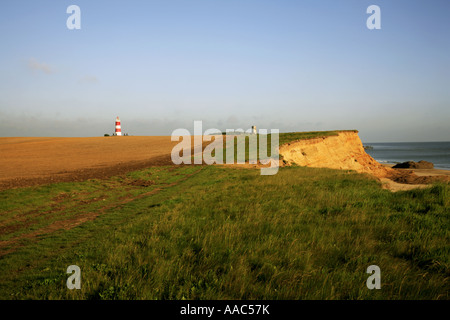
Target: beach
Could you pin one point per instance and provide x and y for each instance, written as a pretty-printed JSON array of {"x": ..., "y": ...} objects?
[
  {"x": 424, "y": 172},
  {"x": 395, "y": 186}
]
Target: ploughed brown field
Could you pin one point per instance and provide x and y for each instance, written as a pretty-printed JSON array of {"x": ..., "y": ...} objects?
[{"x": 27, "y": 161}]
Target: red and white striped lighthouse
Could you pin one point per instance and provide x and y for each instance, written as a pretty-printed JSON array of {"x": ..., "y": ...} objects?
[{"x": 118, "y": 127}]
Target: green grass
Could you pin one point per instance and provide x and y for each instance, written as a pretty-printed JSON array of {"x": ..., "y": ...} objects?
[
  {"x": 207, "y": 232},
  {"x": 294, "y": 136}
]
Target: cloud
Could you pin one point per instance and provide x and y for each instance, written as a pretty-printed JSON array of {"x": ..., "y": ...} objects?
[
  {"x": 35, "y": 65},
  {"x": 88, "y": 79}
]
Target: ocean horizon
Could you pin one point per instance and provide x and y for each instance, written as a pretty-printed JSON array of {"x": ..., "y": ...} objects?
[{"x": 437, "y": 152}]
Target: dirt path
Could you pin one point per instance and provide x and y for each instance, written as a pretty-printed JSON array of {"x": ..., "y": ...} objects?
[
  {"x": 66, "y": 224},
  {"x": 395, "y": 186}
]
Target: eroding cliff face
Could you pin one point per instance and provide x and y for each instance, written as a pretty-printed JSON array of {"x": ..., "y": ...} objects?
[{"x": 344, "y": 151}]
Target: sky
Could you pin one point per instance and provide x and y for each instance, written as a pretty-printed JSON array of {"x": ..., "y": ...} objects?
[{"x": 292, "y": 65}]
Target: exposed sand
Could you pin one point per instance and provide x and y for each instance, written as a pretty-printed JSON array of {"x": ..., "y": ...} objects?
[
  {"x": 425, "y": 172},
  {"x": 395, "y": 186},
  {"x": 346, "y": 152}
]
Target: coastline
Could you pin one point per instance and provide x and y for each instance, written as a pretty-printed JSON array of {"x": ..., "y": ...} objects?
[
  {"x": 391, "y": 153},
  {"x": 396, "y": 186},
  {"x": 422, "y": 172}
]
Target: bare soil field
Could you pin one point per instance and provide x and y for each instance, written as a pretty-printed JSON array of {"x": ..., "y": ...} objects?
[{"x": 27, "y": 161}]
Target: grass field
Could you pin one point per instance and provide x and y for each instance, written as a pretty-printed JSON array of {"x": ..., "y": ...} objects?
[{"x": 212, "y": 232}]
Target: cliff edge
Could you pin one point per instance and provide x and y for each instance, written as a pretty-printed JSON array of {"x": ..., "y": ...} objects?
[{"x": 343, "y": 151}]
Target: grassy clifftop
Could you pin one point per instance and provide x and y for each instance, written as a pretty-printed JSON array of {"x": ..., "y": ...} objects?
[{"x": 294, "y": 136}]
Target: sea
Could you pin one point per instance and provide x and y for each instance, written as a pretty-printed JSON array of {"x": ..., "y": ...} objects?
[{"x": 396, "y": 152}]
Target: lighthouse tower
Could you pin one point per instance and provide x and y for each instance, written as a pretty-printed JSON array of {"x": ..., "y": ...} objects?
[{"x": 118, "y": 128}]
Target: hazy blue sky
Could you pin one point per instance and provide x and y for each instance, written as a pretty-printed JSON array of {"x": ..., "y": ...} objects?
[{"x": 290, "y": 65}]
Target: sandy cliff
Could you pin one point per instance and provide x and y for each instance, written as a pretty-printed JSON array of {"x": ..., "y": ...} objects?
[{"x": 344, "y": 151}]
